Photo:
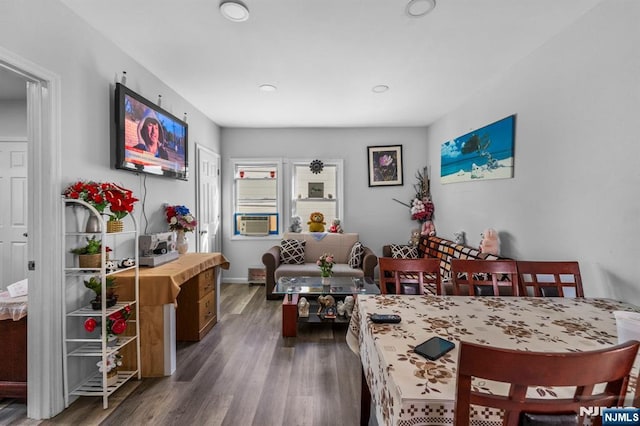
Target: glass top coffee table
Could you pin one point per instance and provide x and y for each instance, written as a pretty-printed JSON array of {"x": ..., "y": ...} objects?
[{"x": 293, "y": 288}]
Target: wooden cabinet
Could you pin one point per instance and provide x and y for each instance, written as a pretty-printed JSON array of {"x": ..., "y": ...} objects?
[
  {"x": 196, "y": 313},
  {"x": 13, "y": 353}
]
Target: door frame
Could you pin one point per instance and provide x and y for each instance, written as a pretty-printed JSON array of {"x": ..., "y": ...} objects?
[{"x": 44, "y": 325}]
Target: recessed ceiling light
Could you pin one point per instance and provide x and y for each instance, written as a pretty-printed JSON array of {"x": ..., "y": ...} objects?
[
  {"x": 418, "y": 8},
  {"x": 234, "y": 11},
  {"x": 380, "y": 88},
  {"x": 267, "y": 88}
]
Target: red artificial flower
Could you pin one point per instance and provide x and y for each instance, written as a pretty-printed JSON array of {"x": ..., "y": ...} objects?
[
  {"x": 119, "y": 326},
  {"x": 90, "y": 324}
]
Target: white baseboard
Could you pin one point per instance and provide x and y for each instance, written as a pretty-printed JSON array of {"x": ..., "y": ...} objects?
[{"x": 231, "y": 280}]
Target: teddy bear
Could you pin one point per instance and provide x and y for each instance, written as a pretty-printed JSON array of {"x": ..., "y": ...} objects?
[
  {"x": 110, "y": 266},
  {"x": 415, "y": 238},
  {"x": 490, "y": 242},
  {"x": 335, "y": 226},
  {"x": 428, "y": 229},
  {"x": 296, "y": 224},
  {"x": 127, "y": 262},
  {"x": 316, "y": 222}
]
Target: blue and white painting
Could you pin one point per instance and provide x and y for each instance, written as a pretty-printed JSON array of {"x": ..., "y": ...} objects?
[{"x": 485, "y": 153}]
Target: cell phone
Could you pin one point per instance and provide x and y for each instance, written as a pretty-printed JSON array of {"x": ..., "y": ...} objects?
[{"x": 434, "y": 348}]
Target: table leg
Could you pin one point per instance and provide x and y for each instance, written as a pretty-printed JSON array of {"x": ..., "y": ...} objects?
[
  {"x": 365, "y": 401},
  {"x": 290, "y": 315}
]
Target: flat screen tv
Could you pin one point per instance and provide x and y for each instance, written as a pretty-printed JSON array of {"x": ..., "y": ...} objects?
[{"x": 148, "y": 138}]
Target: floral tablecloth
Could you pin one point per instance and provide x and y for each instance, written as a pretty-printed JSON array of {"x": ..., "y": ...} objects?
[{"x": 408, "y": 389}]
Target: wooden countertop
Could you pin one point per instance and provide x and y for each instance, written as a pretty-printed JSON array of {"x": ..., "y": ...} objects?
[{"x": 160, "y": 285}]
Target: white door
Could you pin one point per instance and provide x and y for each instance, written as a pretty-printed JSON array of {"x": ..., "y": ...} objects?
[
  {"x": 209, "y": 200},
  {"x": 13, "y": 216}
]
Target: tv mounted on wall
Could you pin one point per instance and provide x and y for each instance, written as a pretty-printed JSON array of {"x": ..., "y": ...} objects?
[{"x": 148, "y": 138}]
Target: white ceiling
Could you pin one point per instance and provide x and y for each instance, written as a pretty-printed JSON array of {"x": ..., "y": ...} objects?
[{"x": 326, "y": 55}]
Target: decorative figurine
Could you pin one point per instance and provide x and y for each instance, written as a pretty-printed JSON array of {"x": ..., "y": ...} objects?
[
  {"x": 349, "y": 303},
  {"x": 303, "y": 307},
  {"x": 325, "y": 302}
]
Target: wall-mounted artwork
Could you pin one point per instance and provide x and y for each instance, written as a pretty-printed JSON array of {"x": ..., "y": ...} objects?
[
  {"x": 385, "y": 165},
  {"x": 485, "y": 153}
]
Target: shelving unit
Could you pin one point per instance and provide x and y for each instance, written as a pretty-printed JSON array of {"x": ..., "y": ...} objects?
[{"x": 82, "y": 350}]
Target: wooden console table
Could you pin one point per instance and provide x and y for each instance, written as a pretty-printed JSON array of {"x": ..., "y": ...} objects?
[{"x": 187, "y": 284}]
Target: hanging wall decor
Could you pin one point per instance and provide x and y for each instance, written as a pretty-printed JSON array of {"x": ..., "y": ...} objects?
[
  {"x": 385, "y": 165},
  {"x": 316, "y": 166},
  {"x": 485, "y": 153}
]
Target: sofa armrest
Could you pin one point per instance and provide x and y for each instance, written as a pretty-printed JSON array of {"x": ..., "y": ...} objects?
[
  {"x": 369, "y": 262},
  {"x": 271, "y": 261}
]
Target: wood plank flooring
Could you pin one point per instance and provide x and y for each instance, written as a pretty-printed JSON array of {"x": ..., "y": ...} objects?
[{"x": 242, "y": 373}]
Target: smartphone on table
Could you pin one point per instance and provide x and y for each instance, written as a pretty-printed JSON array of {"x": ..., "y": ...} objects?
[{"x": 434, "y": 348}]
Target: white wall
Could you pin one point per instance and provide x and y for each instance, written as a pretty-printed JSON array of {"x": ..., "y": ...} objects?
[
  {"x": 577, "y": 156},
  {"x": 50, "y": 35},
  {"x": 13, "y": 118},
  {"x": 369, "y": 211}
]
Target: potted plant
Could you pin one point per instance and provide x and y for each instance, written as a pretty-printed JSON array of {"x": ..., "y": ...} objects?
[
  {"x": 95, "y": 284},
  {"x": 89, "y": 255}
]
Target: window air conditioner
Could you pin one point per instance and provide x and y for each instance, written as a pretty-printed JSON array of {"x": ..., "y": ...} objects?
[{"x": 254, "y": 225}]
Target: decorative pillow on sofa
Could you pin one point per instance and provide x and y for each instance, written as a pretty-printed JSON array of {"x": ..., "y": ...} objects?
[
  {"x": 292, "y": 251},
  {"x": 399, "y": 251},
  {"x": 355, "y": 257}
]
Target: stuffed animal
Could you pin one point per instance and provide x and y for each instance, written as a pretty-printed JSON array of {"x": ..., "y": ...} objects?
[
  {"x": 296, "y": 224},
  {"x": 127, "y": 262},
  {"x": 490, "y": 242},
  {"x": 428, "y": 229},
  {"x": 335, "y": 226},
  {"x": 316, "y": 222},
  {"x": 341, "y": 308},
  {"x": 415, "y": 238},
  {"x": 110, "y": 266},
  {"x": 458, "y": 237}
]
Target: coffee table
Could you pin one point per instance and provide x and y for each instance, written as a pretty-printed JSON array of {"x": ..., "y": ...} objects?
[{"x": 292, "y": 288}]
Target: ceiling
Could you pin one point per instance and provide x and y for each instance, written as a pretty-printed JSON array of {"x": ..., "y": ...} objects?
[{"x": 325, "y": 56}]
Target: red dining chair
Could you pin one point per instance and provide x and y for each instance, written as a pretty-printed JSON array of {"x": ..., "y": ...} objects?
[
  {"x": 549, "y": 279},
  {"x": 484, "y": 277},
  {"x": 410, "y": 276},
  {"x": 522, "y": 370}
]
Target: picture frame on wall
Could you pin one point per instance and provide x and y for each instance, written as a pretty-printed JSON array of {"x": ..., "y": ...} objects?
[
  {"x": 385, "y": 165},
  {"x": 483, "y": 154}
]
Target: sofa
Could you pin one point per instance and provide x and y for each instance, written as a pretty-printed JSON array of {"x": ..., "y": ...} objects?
[
  {"x": 443, "y": 249},
  {"x": 315, "y": 245}
]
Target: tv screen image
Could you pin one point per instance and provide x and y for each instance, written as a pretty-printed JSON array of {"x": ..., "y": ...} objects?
[{"x": 148, "y": 138}]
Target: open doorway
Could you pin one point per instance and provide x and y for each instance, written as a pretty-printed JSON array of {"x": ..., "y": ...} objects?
[{"x": 41, "y": 226}]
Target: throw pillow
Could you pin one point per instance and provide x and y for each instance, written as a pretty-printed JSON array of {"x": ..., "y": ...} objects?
[
  {"x": 355, "y": 257},
  {"x": 292, "y": 251},
  {"x": 403, "y": 251}
]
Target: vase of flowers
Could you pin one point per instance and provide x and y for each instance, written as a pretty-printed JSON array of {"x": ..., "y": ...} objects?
[
  {"x": 181, "y": 221},
  {"x": 325, "y": 263},
  {"x": 421, "y": 207},
  {"x": 101, "y": 195},
  {"x": 113, "y": 361}
]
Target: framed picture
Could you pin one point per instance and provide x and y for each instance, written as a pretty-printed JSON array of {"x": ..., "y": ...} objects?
[
  {"x": 385, "y": 165},
  {"x": 316, "y": 189},
  {"x": 483, "y": 154}
]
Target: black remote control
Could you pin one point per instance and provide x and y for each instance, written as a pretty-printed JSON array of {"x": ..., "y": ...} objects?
[{"x": 385, "y": 318}]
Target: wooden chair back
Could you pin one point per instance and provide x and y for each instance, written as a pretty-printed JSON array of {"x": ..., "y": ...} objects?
[
  {"x": 410, "y": 276},
  {"x": 545, "y": 279},
  {"x": 538, "y": 370},
  {"x": 484, "y": 277}
]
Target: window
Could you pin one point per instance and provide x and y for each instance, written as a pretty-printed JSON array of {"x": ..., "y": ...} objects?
[
  {"x": 316, "y": 192},
  {"x": 257, "y": 197}
]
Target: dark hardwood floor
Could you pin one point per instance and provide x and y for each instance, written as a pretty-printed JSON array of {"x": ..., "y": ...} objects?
[{"x": 242, "y": 373}]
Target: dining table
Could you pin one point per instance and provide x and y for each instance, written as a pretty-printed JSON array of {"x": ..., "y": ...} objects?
[{"x": 409, "y": 390}]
